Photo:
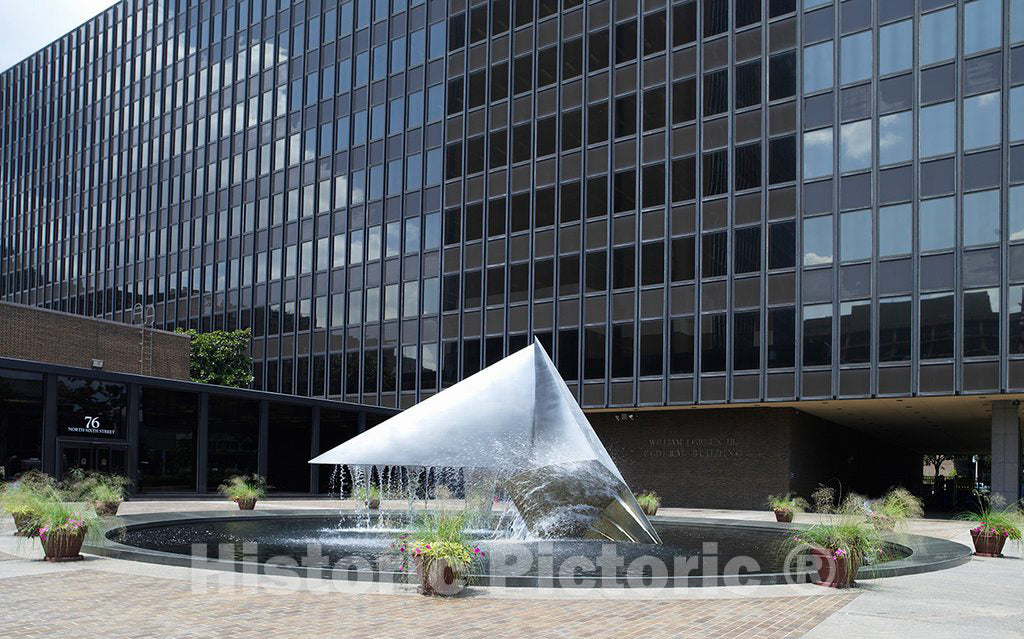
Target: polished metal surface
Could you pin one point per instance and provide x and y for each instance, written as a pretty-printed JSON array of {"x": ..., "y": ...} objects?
[{"x": 519, "y": 418}]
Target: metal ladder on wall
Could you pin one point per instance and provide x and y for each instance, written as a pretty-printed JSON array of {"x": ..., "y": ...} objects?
[{"x": 145, "y": 317}]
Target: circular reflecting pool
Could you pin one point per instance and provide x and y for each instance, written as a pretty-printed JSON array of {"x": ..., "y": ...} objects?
[{"x": 354, "y": 546}]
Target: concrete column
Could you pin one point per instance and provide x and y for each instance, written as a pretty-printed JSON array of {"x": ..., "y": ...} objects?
[{"x": 1006, "y": 455}]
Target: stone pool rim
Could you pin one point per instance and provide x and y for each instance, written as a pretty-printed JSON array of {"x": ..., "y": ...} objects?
[{"x": 927, "y": 554}]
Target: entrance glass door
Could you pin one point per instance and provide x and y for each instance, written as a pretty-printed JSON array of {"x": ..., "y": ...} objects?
[{"x": 103, "y": 458}]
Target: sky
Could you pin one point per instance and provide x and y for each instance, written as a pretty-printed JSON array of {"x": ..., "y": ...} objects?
[{"x": 30, "y": 25}]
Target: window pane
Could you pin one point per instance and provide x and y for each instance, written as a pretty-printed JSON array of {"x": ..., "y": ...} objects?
[
  {"x": 746, "y": 347},
  {"x": 895, "y": 138},
  {"x": 855, "y": 332},
  {"x": 982, "y": 25},
  {"x": 1016, "y": 213},
  {"x": 937, "y": 228},
  {"x": 781, "y": 337},
  {"x": 782, "y": 245},
  {"x": 1015, "y": 309},
  {"x": 895, "y": 47},
  {"x": 818, "y": 240},
  {"x": 938, "y": 36},
  {"x": 818, "y": 335},
  {"x": 937, "y": 326},
  {"x": 712, "y": 342},
  {"x": 1016, "y": 20},
  {"x": 894, "y": 230},
  {"x": 855, "y": 57},
  {"x": 937, "y": 129},
  {"x": 681, "y": 354},
  {"x": 894, "y": 329},
  {"x": 981, "y": 218},
  {"x": 855, "y": 146},
  {"x": 855, "y": 235},
  {"x": 981, "y": 322},
  {"x": 818, "y": 67},
  {"x": 981, "y": 120},
  {"x": 817, "y": 153},
  {"x": 1017, "y": 112}
]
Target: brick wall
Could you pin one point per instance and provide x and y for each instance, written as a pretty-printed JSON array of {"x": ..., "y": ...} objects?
[
  {"x": 41, "y": 335},
  {"x": 736, "y": 457}
]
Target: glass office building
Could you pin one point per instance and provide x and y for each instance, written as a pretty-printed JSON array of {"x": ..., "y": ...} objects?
[{"x": 696, "y": 202}]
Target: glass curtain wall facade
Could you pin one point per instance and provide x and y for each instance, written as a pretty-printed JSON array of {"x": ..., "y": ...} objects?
[{"x": 698, "y": 201}]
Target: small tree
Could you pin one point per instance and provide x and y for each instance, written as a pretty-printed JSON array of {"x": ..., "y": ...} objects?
[{"x": 221, "y": 357}]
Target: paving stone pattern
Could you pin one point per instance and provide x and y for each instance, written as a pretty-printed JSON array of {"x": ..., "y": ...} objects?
[{"x": 91, "y": 603}]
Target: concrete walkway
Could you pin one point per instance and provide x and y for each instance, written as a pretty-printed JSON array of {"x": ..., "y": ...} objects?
[{"x": 113, "y": 598}]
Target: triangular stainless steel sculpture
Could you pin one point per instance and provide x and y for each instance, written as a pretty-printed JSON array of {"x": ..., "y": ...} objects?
[{"x": 518, "y": 417}]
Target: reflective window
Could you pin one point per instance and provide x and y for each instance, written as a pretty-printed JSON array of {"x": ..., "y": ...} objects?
[
  {"x": 937, "y": 129},
  {"x": 855, "y": 332},
  {"x": 817, "y": 153},
  {"x": 681, "y": 346},
  {"x": 818, "y": 67},
  {"x": 855, "y": 235},
  {"x": 981, "y": 120},
  {"x": 1015, "y": 318},
  {"x": 855, "y": 146},
  {"x": 938, "y": 36},
  {"x": 894, "y": 329},
  {"x": 1017, "y": 113},
  {"x": 1016, "y": 20},
  {"x": 818, "y": 335},
  {"x": 894, "y": 230},
  {"x": 981, "y": 322},
  {"x": 781, "y": 337},
  {"x": 896, "y": 47},
  {"x": 713, "y": 332},
  {"x": 895, "y": 138},
  {"x": 937, "y": 224},
  {"x": 937, "y": 326},
  {"x": 981, "y": 217},
  {"x": 1016, "y": 215},
  {"x": 983, "y": 25},
  {"x": 817, "y": 243},
  {"x": 746, "y": 347},
  {"x": 855, "y": 57}
]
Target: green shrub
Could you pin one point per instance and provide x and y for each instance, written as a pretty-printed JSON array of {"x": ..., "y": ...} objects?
[
  {"x": 367, "y": 493},
  {"x": 439, "y": 535},
  {"x": 824, "y": 498},
  {"x": 57, "y": 517},
  {"x": 94, "y": 487},
  {"x": 244, "y": 487},
  {"x": 847, "y": 538},
  {"x": 649, "y": 502},
  {"x": 1007, "y": 521},
  {"x": 790, "y": 503},
  {"x": 898, "y": 505}
]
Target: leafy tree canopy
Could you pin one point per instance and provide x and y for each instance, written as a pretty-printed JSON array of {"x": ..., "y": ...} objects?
[{"x": 221, "y": 357}]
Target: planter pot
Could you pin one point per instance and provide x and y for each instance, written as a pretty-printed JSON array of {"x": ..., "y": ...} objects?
[
  {"x": 106, "y": 508},
  {"x": 374, "y": 504},
  {"x": 785, "y": 516},
  {"x": 832, "y": 572},
  {"x": 988, "y": 544},
  {"x": 650, "y": 512},
  {"x": 25, "y": 525},
  {"x": 439, "y": 579},
  {"x": 63, "y": 547},
  {"x": 246, "y": 504}
]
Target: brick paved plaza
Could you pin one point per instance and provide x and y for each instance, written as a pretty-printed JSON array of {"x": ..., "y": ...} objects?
[{"x": 103, "y": 597}]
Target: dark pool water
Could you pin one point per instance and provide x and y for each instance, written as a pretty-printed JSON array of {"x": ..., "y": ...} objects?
[{"x": 344, "y": 542}]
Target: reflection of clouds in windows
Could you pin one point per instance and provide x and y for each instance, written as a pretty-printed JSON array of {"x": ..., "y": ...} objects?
[
  {"x": 894, "y": 138},
  {"x": 812, "y": 259},
  {"x": 855, "y": 145},
  {"x": 818, "y": 153}
]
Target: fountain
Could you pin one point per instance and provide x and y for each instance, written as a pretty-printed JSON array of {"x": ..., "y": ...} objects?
[
  {"x": 512, "y": 431},
  {"x": 513, "y": 427}
]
